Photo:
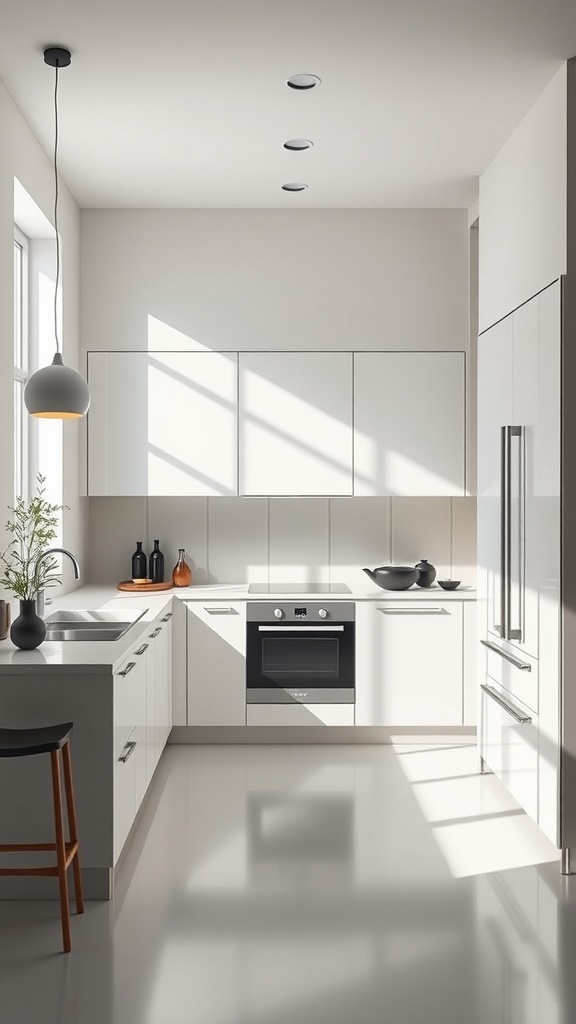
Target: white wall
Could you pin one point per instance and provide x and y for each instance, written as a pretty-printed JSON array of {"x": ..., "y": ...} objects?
[
  {"x": 523, "y": 208},
  {"x": 263, "y": 279},
  {"x": 21, "y": 156},
  {"x": 274, "y": 279}
]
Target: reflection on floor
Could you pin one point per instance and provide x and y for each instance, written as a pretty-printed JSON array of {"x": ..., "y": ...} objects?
[{"x": 274, "y": 885}]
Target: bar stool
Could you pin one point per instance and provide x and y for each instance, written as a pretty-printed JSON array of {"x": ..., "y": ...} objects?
[{"x": 49, "y": 740}]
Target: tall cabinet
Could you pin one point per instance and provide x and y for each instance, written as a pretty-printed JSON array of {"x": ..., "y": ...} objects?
[{"x": 519, "y": 479}]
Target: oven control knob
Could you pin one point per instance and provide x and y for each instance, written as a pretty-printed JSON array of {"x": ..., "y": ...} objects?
[
  {"x": 322, "y": 613},
  {"x": 278, "y": 613}
]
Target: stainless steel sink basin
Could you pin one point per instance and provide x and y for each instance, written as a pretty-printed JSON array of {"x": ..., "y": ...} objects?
[
  {"x": 85, "y": 624},
  {"x": 86, "y": 634}
]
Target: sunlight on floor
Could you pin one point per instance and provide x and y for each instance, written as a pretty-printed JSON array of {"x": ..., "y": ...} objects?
[{"x": 477, "y": 825}]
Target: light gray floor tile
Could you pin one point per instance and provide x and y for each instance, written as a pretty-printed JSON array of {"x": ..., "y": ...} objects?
[{"x": 318, "y": 885}]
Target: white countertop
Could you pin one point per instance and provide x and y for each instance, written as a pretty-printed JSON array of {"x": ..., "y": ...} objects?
[
  {"x": 72, "y": 656},
  {"x": 83, "y": 657},
  {"x": 358, "y": 592}
]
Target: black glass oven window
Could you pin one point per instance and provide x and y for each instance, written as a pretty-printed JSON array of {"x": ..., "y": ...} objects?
[{"x": 312, "y": 657}]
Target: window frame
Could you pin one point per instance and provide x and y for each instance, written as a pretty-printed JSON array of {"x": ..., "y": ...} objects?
[{"x": 21, "y": 360}]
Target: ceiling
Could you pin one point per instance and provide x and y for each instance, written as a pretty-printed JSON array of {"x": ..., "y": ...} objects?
[{"x": 184, "y": 104}]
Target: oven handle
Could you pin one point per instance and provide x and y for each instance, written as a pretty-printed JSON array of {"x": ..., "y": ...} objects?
[{"x": 301, "y": 629}]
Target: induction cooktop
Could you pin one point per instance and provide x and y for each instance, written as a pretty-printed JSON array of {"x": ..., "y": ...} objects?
[{"x": 299, "y": 588}]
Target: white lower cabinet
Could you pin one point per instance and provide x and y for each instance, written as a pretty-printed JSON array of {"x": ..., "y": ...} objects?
[
  {"x": 409, "y": 663},
  {"x": 508, "y": 743},
  {"x": 142, "y": 722},
  {"x": 158, "y": 690},
  {"x": 216, "y": 635},
  {"x": 129, "y": 746}
]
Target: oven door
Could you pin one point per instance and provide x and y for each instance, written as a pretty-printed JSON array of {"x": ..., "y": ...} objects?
[{"x": 300, "y": 664}]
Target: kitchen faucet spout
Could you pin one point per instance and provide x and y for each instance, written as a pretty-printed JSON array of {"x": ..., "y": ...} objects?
[{"x": 54, "y": 551}]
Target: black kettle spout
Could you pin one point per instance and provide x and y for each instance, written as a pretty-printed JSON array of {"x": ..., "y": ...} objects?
[{"x": 369, "y": 573}]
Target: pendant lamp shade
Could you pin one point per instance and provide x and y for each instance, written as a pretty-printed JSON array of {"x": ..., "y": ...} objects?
[{"x": 56, "y": 391}]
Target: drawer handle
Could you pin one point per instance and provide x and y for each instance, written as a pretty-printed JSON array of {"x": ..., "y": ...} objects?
[
  {"x": 141, "y": 649},
  {"x": 127, "y": 751},
  {"x": 414, "y": 611},
  {"x": 522, "y": 665},
  {"x": 520, "y": 718},
  {"x": 166, "y": 617},
  {"x": 152, "y": 636},
  {"x": 222, "y": 611},
  {"x": 129, "y": 667}
]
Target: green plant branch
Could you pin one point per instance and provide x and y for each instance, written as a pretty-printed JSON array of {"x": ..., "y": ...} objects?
[{"x": 33, "y": 527}]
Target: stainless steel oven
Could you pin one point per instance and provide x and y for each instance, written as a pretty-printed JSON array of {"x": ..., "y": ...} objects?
[{"x": 300, "y": 652}]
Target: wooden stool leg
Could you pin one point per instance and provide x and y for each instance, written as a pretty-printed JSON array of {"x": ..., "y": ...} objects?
[
  {"x": 71, "y": 809},
  {"x": 60, "y": 850}
]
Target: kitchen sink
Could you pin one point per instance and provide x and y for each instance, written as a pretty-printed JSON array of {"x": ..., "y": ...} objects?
[{"x": 85, "y": 624}]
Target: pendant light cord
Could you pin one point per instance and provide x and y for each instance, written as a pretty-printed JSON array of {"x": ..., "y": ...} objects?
[{"x": 56, "y": 210}]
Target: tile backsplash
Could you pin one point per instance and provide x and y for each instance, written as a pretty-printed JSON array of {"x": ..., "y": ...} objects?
[{"x": 235, "y": 540}]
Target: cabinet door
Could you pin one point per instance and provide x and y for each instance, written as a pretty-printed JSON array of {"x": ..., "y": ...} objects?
[
  {"x": 536, "y": 517},
  {"x": 509, "y": 744},
  {"x": 162, "y": 423},
  {"x": 409, "y": 425},
  {"x": 495, "y": 410},
  {"x": 152, "y": 754},
  {"x": 295, "y": 423},
  {"x": 129, "y": 745},
  {"x": 216, "y": 664},
  {"x": 158, "y": 690},
  {"x": 409, "y": 663},
  {"x": 163, "y": 649}
]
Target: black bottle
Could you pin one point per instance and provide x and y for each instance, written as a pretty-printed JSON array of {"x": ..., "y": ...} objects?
[
  {"x": 157, "y": 564},
  {"x": 139, "y": 563}
]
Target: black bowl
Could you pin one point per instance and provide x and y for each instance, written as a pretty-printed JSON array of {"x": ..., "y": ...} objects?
[
  {"x": 394, "y": 577},
  {"x": 449, "y": 584}
]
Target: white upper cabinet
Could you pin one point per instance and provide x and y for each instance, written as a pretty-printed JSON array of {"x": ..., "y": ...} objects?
[
  {"x": 295, "y": 414},
  {"x": 162, "y": 423},
  {"x": 409, "y": 423},
  {"x": 276, "y": 423}
]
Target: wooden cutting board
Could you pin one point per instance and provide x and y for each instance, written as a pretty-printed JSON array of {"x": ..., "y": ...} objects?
[{"x": 143, "y": 588}]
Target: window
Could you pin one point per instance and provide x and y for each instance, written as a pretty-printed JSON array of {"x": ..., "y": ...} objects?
[{"x": 21, "y": 364}]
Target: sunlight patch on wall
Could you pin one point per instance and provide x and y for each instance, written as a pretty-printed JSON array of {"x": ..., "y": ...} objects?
[{"x": 164, "y": 338}]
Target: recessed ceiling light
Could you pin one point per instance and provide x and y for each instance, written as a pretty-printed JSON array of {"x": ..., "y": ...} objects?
[
  {"x": 294, "y": 186},
  {"x": 297, "y": 145},
  {"x": 303, "y": 81}
]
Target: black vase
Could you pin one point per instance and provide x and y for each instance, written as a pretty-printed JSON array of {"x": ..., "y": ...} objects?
[
  {"x": 28, "y": 630},
  {"x": 427, "y": 573},
  {"x": 156, "y": 564},
  {"x": 139, "y": 563}
]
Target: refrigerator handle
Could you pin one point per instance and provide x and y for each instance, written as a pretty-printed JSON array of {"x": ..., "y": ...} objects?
[
  {"x": 515, "y": 632},
  {"x": 504, "y": 515}
]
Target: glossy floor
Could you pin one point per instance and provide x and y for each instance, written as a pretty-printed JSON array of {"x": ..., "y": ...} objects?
[{"x": 275, "y": 885}]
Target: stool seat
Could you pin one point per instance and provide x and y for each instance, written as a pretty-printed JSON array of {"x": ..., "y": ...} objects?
[{"x": 24, "y": 742}]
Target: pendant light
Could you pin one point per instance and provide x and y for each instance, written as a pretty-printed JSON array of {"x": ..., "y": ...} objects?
[{"x": 57, "y": 391}]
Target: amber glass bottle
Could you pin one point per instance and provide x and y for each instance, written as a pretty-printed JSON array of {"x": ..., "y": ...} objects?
[{"x": 181, "y": 573}]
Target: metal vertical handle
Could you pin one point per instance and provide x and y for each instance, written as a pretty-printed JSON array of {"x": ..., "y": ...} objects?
[
  {"x": 508, "y": 632},
  {"x": 502, "y": 628},
  {"x": 515, "y": 631}
]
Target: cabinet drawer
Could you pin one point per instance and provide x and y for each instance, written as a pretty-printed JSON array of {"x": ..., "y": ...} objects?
[
  {"x": 510, "y": 746},
  {"x": 300, "y": 714},
  {"x": 517, "y": 673},
  {"x": 124, "y": 790}
]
